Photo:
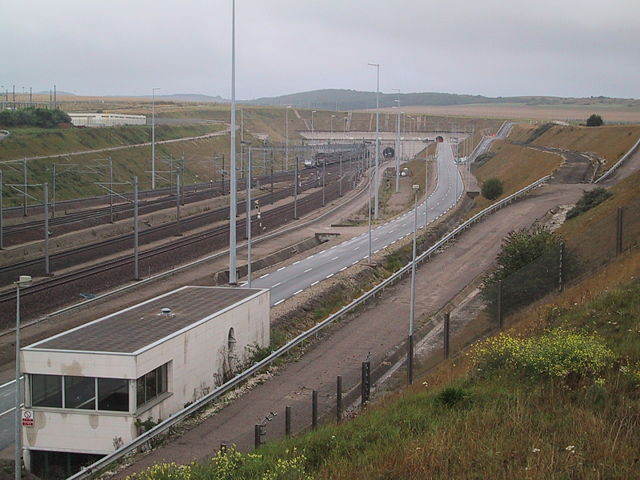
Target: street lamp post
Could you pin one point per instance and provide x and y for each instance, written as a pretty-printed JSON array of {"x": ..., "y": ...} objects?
[
  {"x": 412, "y": 307},
  {"x": 369, "y": 216},
  {"x": 375, "y": 206},
  {"x": 23, "y": 281},
  {"x": 312, "y": 129},
  {"x": 153, "y": 138},
  {"x": 397, "y": 152},
  {"x": 232, "y": 180}
]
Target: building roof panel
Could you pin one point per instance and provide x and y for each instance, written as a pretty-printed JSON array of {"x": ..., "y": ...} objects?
[{"x": 130, "y": 330}]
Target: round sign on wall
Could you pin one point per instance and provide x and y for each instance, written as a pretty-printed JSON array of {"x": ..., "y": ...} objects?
[{"x": 388, "y": 152}]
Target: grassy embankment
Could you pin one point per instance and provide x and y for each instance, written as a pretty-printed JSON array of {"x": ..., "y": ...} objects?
[
  {"x": 516, "y": 166},
  {"x": 609, "y": 142},
  {"x": 536, "y": 403}
]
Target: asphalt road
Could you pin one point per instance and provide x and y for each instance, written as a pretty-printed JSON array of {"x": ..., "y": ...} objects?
[{"x": 293, "y": 279}]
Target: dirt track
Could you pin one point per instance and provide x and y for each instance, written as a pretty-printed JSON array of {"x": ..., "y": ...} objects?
[{"x": 372, "y": 334}]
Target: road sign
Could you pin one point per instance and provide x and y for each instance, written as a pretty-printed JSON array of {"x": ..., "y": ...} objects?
[{"x": 27, "y": 418}]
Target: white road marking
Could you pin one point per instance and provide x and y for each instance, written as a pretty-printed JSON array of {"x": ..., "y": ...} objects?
[
  {"x": 265, "y": 275},
  {"x": 281, "y": 268},
  {"x": 329, "y": 276},
  {"x": 334, "y": 258},
  {"x": 315, "y": 283},
  {"x": 307, "y": 270},
  {"x": 342, "y": 269},
  {"x": 295, "y": 263},
  {"x": 278, "y": 302},
  {"x": 299, "y": 291},
  {"x": 354, "y": 262},
  {"x": 356, "y": 248},
  {"x": 275, "y": 285}
]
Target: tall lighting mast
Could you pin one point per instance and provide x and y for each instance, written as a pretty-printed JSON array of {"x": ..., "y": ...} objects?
[{"x": 233, "y": 280}]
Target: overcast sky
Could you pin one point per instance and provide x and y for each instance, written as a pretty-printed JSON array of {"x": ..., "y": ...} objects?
[{"x": 487, "y": 47}]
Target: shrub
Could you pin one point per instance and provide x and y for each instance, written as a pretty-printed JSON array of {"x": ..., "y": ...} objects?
[
  {"x": 528, "y": 267},
  {"x": 558, "y": 353},
  {"x": 452, "y": 396},
  {"x": 589, "y": 200},
  {"x": 34, "y": 117},
  {"x": 538, "y": 132},
  {"x": 492, "y": 188},
  {"x": 595, "y": 121}
]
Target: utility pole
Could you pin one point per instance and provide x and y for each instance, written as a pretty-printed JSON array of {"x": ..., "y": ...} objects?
[
  {"x": 295, "y": 192},
  {"x": 249, "y": 225},
  {"x": 136, "y": 269},
  {"x": 153, "y": 138},
  {"x": 46, "y": 229},
  {"x": 397, "y": 151}
]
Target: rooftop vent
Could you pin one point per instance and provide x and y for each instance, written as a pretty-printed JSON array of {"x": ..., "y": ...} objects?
[{"x": 165, "y": 311}]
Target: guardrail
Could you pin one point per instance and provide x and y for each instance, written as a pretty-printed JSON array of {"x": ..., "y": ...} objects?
[
  {"x": 181, "y": 415},
  {"x": 617, "y": 165}
]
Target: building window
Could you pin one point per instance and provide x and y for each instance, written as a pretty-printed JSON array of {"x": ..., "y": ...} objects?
[
  {"x": 46, "y": 390},
  {"x": 151, "y": 385},
  {"x": 113, "y": 394},
  {"x": 79, "y": 392}
]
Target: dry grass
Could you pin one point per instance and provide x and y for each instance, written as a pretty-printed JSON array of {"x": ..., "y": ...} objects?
[
  {"x": 609, "y": 141},
  {"x": 516, "y": 166}
]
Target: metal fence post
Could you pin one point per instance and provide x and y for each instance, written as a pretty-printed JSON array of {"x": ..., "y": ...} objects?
[
  {"x": 314, "y": 409},
  {"x": 447, "y": 318},
  {"x": 257, "y": 435},
  {"x": 561, "y": 261},
  {"x": 499, "y": 301},
  {"x": 366, "y": 384},
  {"x": 619, "y": 226},
  {"x": 339, "y": 399},
  {"x": 287, "y": 420}
]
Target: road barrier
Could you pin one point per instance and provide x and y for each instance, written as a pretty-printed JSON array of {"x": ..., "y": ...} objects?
[
  {"x": 619, "y": 163},
  {"x": 245, "y": 375}
]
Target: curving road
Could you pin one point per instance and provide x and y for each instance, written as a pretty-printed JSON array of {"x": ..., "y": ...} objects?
[{"x": 293, "y": 279}]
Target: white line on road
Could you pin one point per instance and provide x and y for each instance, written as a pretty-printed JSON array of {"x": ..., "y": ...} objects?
[
  {"x": 299, "y": 291},
  {"x": 354, "y": 262},
  {"x": 297, "y": 262},
  {"x": 281, "y": 268},
  {"x": 265, "y": 275},
  {"x": 307, "y": 270},
  {"x": 356, "y": 248},
  {"x": 334, "y": 258},
  {"x": 315, "y": 283},
  {"x": 329, "y": 276},
  {"x": 342, "y": 269},
  {"x": 275, "y": 285},
  {"x": 278, "y": 302}
]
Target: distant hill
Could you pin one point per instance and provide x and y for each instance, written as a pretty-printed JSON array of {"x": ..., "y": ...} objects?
[
  {"x": 341, "y": 99},
  {"x": 191, "y": 97}
]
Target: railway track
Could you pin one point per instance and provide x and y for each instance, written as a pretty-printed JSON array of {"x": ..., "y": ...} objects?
[
  {"x": 163, "y": 199},
  {"x": 53, "y": 292}
]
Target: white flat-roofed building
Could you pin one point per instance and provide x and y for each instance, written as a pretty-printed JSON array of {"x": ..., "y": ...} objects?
[
  {"x": 106, "y": 119},
  {"x": 88, "y": 389}
]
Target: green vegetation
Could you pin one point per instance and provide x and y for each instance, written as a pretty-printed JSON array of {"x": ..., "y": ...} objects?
[
  {"x": 589, "y": 200},
  {"x": 566, "y": 407},
  {"x": 558, "y": 353},
  {"x": 538, "y": 132},
  {"x": 528, "y": 268},
  {"x": 33, "y": 117},
  {"x": 595, "y": 121},
  {"x": 492, "y": 188}
]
